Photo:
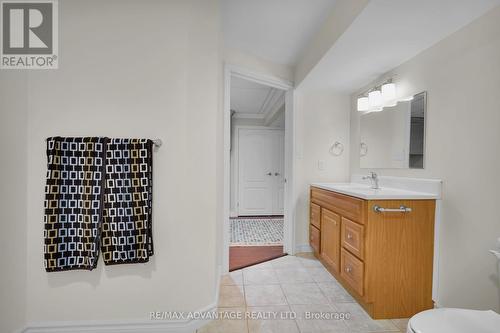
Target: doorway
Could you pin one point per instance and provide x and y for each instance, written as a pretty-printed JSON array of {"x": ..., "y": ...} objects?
[{"x": 258, "y": 225}]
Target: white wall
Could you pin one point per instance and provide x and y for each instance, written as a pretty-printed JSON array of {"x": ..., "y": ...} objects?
[
  {"x": 133, "y": 69},
  {"x": 344, "y": 12},
  {"x": 13, "y": 149},
  {"x": 321, "y": 119},
  {"x": 462, "y": 77},
  {"x": 248, "y": 61}
]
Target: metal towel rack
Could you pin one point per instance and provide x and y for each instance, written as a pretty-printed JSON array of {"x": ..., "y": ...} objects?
[
  {"x": 157, "y": 143},
  {"x": 401, "y": 209}
]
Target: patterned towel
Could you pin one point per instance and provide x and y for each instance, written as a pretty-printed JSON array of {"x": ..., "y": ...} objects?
[
  {"x": 98, "y": 193},
  {"x": 73, "y": 202},
  {"x": 126, "y": 230}
]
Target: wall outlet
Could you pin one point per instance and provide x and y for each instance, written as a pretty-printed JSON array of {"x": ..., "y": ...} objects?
[{"x": 321, "y": 165}]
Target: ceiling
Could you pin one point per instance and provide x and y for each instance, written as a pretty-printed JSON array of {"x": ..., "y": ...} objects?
[
  {"x": 254, "y": 100},
  {"x": 275, "y": 30},
  {"x": 386, "y": 34}
]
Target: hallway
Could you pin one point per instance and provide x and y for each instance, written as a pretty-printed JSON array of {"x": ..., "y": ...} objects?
[{"x": 254, "y": 240}]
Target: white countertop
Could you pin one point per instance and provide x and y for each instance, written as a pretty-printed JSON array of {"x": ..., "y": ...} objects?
[{"x": 366, "y": 192}]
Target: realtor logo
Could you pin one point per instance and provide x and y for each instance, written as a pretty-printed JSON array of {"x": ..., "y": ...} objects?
[{"x": 29, "y": 34}]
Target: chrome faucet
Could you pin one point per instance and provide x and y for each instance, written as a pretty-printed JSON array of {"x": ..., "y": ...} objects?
[{"x": 373, "y": 177}]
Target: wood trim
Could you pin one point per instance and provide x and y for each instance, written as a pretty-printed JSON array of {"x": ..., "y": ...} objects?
[
  {"x": 353, "y": 208},
  {"x": 244, "y": 256}
]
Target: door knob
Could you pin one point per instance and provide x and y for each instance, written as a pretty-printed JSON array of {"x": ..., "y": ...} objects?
[
  {"x": 276, "y": 173},
  {"x": 269, "y": 173}
]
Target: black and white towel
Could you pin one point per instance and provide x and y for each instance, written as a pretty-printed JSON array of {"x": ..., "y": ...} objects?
[
  {"x": 98, "y": 196},
  {"x": 127, "y": 230},
  {"x": 73, "y": 202}
]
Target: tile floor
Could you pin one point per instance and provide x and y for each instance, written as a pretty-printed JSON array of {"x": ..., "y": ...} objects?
[
  {"x": 256, "y": 231},
  {"x": 262, "y": 299}
]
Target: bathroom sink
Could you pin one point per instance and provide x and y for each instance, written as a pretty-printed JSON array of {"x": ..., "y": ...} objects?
[{"x": 366, "y": 192}]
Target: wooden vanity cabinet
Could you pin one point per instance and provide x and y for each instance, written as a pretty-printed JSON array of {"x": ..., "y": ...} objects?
[{"x": 384, "y": 260}]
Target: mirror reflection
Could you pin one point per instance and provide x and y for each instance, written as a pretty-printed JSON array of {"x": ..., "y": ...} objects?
[{"x": 395, "y": 136}]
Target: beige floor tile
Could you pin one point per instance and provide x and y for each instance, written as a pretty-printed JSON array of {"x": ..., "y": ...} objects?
[
  {"x": 286, "y": 262},
  {"x": 234, "y": 278},
  {"x": 310, "y": 262},
  {"x": 320, "y": 274},
  {"x": 278, "y": 320},
  {"x": 360, "y": 321},
  {"x": 293, "y": 275},
  {"x": 401, "y": 323},
  {"x": 318, "y": 319},
  {"x": 233, "y": 322},
  {"x": 335, "y": 292},
  {"x": 231, "y": 296},
  {"x": 260, "y": 276},
  {"x": 303, "y": 293},
  {"x": 262, "y": 265},
  {"x": 308, "y": 255},
  {"x": 270, "y": 294}
]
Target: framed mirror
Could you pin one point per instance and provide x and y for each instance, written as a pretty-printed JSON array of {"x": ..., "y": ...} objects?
[{"x": 394, "y": 138}]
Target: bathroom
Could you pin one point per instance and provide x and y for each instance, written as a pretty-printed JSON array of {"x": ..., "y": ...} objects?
[{"x": 161, "y": 70}]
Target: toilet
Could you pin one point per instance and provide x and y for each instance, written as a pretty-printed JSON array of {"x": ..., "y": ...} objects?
[{"x": 449, "y": 320}]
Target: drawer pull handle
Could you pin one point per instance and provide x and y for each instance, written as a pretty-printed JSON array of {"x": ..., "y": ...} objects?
[
  {"x": 348, "y": 269},
  {"x": 349, "y": 236},
  {"x": 401, "y": 209}
]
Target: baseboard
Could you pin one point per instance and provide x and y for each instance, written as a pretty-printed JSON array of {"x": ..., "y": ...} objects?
[
  {"x": 152, "y": 326},
  {"x": 129, "y": 326},
  {"x": 303, "y": 248}
]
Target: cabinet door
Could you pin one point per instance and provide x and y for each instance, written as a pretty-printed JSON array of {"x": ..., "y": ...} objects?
[{"x": 330, "y": 238}]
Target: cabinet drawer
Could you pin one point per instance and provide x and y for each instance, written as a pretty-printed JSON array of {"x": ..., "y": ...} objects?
[
  {"x": 353, "y": 237},
  {"x": 352, "y": 271},
  {"x": 315, "y": 215},
  {"x": 314, "y": 238},
  {"x": 353, "y": 208}
]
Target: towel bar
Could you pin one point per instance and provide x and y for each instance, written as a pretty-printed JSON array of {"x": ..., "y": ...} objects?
[{"x": 401, "y": 209}]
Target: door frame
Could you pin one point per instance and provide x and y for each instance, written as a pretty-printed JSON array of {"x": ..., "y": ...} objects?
[
  {"x": 289, "y": 212},
  {"x": 236, "y": 149}
]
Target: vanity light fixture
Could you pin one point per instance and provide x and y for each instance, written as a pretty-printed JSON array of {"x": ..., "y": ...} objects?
[
  {"x": 379, "y": 97},
  {"x": 375, "y": 100},
  {"x": 363, "y": 104},
  {"x": 389, "y": 94}
]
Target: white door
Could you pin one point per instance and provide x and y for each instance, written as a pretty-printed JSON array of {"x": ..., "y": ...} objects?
[{"x": 260, "y": 172}]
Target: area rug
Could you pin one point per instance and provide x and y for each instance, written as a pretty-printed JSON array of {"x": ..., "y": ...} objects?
[{"x": 256, "y": 231}]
